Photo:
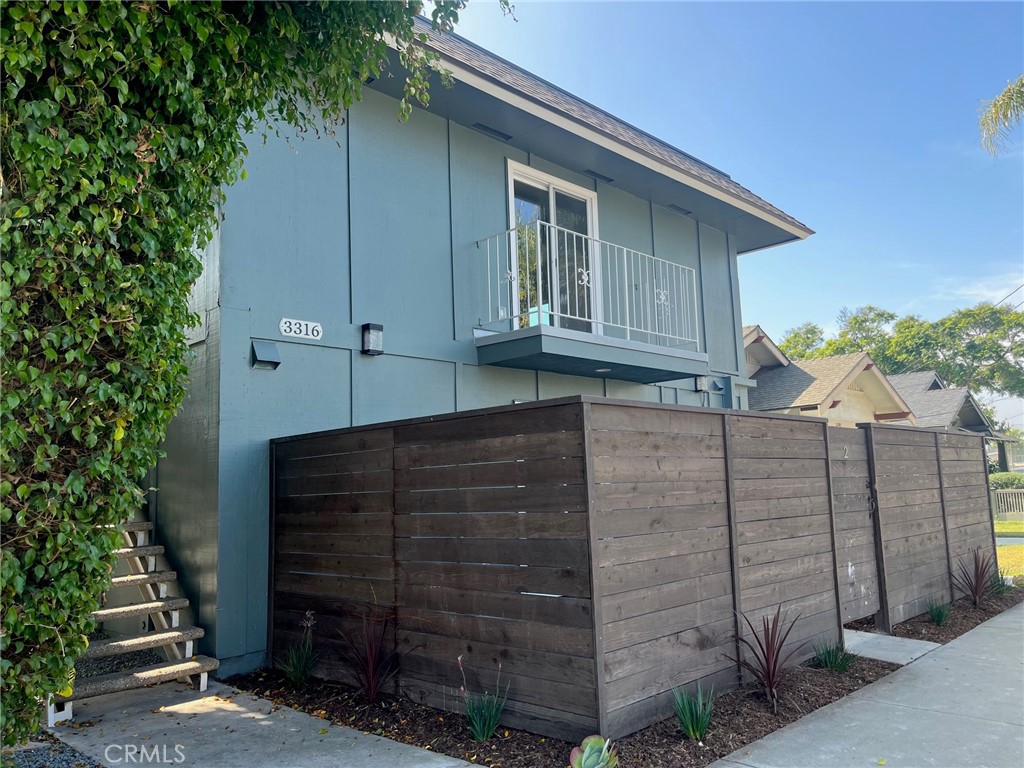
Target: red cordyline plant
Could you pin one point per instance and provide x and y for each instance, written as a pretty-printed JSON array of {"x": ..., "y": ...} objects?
[
  {"x": 975, "y": 580},
  {"x": 768, "y": 663},
  {"x": 371, "y": 655}
]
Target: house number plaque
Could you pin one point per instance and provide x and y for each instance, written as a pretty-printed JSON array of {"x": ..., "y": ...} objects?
[{"x": 302, "y": 329}]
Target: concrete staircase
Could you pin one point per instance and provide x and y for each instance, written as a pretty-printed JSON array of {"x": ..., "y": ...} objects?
[{"x": 164, "y": 631}]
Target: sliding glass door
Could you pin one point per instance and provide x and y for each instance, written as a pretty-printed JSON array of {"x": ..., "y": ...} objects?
[{"x": 554, "y": 223}]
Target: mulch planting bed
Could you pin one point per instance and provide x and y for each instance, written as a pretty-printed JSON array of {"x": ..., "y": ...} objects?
[
  {"x": 962, "y": 617},
  {"x": 740, "y": 717}
]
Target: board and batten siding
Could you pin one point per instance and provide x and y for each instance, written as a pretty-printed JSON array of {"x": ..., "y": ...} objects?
[{"x": 379, "y": 224}]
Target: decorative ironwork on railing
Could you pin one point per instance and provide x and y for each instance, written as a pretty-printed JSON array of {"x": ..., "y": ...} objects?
[{"x": 542, "y": 274}]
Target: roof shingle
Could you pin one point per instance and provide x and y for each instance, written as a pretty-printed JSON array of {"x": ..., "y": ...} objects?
[{"x": 802, "y": 382}]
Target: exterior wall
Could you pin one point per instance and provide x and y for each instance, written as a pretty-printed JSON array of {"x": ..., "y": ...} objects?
[
  {"x": 385, "y": 231},
  {"x": 186, "y": 504},
  {"x": 855, "y": 408}
]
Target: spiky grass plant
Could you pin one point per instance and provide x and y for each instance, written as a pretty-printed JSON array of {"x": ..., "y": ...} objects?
[
  {"x": 938, "y": 612},
  {"x": 693, "y": 712},
  {"x": 975, "y": 579},
  {"x": 1002, "y": 582},
  {"x": 301, "y": 660},
  {"x": 371, "y": 655},
  {"x": 483, "y": 710},
  {"x": 769, "y": 658},
  {"x": 833, "y": 656}
]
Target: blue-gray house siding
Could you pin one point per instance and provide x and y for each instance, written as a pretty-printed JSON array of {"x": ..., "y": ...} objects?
[{"x": 377, "y": 224}]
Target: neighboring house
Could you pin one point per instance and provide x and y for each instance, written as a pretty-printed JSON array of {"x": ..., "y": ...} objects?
[
  {"x": 845, "y": 389},
  {"x": 937, "y": 407},
  {"x": 510, "y": 243},
  {"x": 951, "y": 409},
  {"x": 759, "y": 351}
]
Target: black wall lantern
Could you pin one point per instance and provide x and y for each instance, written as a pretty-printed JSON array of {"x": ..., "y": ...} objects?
[
  {"x": 263, "y": 355},
  {"x": 373, "y": 339}
]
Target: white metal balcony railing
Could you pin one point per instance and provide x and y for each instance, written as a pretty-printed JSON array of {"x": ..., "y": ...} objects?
[{"x": 541, "y": 274}]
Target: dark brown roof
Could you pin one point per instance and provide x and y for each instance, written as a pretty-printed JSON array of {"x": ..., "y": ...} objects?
[{"x": 485, "y": 63}]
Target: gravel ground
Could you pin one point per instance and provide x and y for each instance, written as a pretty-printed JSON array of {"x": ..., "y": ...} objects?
[{"x": 47, "y": 752}]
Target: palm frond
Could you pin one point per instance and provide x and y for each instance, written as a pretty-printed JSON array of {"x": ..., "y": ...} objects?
[{"x": 1002, "y": 115}]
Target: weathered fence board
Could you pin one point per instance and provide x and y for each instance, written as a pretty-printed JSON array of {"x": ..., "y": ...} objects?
[{"x": 662, "y": 572}]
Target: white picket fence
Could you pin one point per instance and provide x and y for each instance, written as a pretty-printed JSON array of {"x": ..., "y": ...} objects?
[{"x": 1008, "y": 504}]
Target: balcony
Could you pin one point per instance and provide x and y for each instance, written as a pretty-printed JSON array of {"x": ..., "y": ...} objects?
[{"x": 560, "y": 301}]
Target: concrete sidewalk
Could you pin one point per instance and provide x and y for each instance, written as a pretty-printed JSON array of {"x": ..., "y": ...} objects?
[
  {"x": 225, "y": 728},
  {"x": 959, "y": 706}
]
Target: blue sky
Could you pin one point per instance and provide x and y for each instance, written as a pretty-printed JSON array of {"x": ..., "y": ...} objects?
[{"x": 859, "y": 119}]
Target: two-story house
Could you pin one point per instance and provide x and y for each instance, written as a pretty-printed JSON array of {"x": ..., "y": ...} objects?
[{"x": 509, "y": 243}]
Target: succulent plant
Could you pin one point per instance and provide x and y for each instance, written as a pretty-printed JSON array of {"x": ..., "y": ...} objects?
[{"x": 594, "y": 752}]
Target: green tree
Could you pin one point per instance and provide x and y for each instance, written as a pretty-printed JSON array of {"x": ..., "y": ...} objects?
[
  {"x": 121, "y": 125},
  {"x": 865, "y": 329},
  {"x": 803, "y": 342},
  {"x": 980, "y": 347},
  {"x": 1001, "y": 115}
]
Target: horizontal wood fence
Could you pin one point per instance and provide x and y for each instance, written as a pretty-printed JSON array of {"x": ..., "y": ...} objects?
[{"x": 597, "y": 551}]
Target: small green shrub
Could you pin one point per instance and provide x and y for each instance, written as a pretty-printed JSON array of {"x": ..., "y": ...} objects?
[
  {"x": 1002, "y": 481},
  {"x": 1001, "y": 583},
  {"x": 938, "y": 612},
  {"x": 483, "y": 710},
  {"x": 301, "y": 660},
  {"x": 594, "y": 752},
  {"x": 693, "y": 713},
  {"x": 833, "y": 656}
]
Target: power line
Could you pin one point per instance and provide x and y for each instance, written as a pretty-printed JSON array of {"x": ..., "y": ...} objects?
[{"x": 1011, "y": 294}]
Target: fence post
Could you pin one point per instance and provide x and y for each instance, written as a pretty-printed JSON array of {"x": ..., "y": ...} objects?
[
  {"x": 734, "y": 557},
  {"x": 945, "y": 520},
  {"x": 882, "y": 619},
  {"x": 271, "y": 545},
  {"x": 991, "y": 511},
  {"x": 596, "y": 613},
  {"x": 832, "y": 528}
]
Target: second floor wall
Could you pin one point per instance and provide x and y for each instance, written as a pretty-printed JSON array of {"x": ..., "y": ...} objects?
[{"x": 380, "y": 224}]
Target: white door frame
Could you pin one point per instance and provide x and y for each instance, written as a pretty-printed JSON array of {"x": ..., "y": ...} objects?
[{"x": 519, "y": 172}]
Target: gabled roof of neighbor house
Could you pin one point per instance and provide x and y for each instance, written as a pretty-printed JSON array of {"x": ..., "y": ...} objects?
[
  {"x": 918, "y": 381},
  {"x": 480, "y": 68},
  {"x": 813, "y": 383},
  {"x": 758, "y": 345},
  {"x": 936, "y": 406}
]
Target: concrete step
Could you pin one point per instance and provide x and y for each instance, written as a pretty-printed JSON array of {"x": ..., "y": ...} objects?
[
  {"x": 140, "y": 609},
  {"x": 138, "y": 579},
  {"x": 135, "y": 525},
  {"x": 148, "y": 551},
  {"x": 117, "y": 646},
  {"x": 139, "y": 678}
]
